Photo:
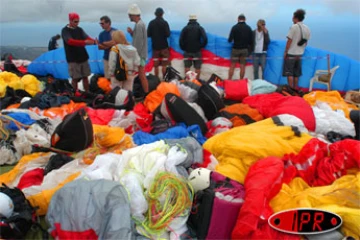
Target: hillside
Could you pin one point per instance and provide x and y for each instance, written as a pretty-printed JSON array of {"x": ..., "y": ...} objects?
[{"x": 22, "y": 52}]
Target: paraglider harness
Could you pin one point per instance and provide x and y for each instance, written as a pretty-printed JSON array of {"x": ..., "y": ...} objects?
[{"x": 23, "y": 218}]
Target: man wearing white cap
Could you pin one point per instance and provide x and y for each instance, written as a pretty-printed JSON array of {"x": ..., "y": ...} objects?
[
  {"x": 192, "y": 39},
  {"x": 139, "y": 41}
]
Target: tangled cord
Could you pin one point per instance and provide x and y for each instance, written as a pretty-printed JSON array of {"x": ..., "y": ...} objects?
[
  {"x": 168, "y": 197},
  {"x": 5, "y": 119}
]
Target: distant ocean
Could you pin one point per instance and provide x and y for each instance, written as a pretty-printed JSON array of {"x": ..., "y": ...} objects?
[{"x": 338, "y": 37}]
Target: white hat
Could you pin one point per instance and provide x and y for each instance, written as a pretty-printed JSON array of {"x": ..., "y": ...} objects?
[
  {"x": 199, "y": 179},
  {"x": 192, "y": 17},
  {"x": 6, "y": 205},
  {"x": 134, "y": 9}
]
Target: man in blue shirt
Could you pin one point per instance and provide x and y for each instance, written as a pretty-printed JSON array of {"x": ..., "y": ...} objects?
[{"x": 106, "y": 42}]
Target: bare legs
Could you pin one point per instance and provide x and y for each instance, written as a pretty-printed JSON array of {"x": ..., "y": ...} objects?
[
  {"x": 85, "y": 80},
  {"x": 197, "y": 71},
  {"x": 143, "y": 79},
  {"x": 163, "y": 70},
  {"x": 231, "y": 70},
  {"x": 293, "y": 81},
  {"x": 242, "y": 71}
]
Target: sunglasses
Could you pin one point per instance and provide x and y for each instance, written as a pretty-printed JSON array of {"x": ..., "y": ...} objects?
[{"x": 75, "y": 21}]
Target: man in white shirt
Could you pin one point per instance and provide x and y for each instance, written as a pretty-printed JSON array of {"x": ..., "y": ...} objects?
[
  {"x": 297, "y": 39},
  {"x": 139, "y": 41}
]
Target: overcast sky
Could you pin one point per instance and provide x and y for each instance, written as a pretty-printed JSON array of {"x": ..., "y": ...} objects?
[
  {"x": 334, "y": 24},
  {"x": 207, "y": 10}
]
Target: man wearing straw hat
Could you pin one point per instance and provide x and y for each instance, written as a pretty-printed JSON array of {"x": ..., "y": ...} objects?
[{"x": 192, "y": 39}]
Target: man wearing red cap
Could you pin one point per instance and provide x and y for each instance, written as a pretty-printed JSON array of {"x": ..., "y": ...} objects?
[{"x": 77, "y": 57}]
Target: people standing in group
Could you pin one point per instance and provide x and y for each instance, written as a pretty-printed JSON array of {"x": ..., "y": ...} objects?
[
  {"x": 261, "y": 40},
  {"x": 77, "y": 57},
  {"x": 105, "y": 42},
  {"x": 192, "y": 39},
  {"x": 131, "y": 57},
  {"x": 53, "y": 42},
  {"x": 159, "y": 31},
  {"x": 241, "y": 34},
  {"x": 297, "y": 38},
  {"x": 139, "y": 41}
]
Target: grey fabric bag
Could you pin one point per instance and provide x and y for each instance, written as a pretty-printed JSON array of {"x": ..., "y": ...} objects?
[{"x": 99, "y": 205}]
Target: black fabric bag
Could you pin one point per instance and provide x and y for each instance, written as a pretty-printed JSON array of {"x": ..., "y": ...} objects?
[
  {"x": 117, "y": 99},
  {"x": 302, "y": 40},
  {"x": 23, "y": 218},
  {"x": 176, "y": 109},
  {"x": 61, "y": 86},
  {"x": 120, "y": 68},
  {"x": 215, "y": 78},
  {"x": 94, "y": 87},
  {"x": 138, "y": 90},
  {"x": 56, "y": 162},
  {"x": 199, "y": 219},
  {"x": 210, "y": 101},
  {"x": 215, "y": 209},
  {"x": 74, "y": 133}
]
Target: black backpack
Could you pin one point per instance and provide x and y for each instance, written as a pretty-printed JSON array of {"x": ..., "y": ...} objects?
[
  {"x": 210, "y": 101},
  {"x": 23, "y": 218},
  {"x": 120, "y": 67},
  {"x": 74, "y": 133}
]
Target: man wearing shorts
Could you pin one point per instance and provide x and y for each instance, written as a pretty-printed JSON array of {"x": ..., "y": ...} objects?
[
  {"x": 159, "y": 30},
  {"x": 294, "y": 51},
  {"x": 241, "y": 35},
  {"x": 139, "y": 41},
  {"x": 192, "y": 39},
  {"x": 77, "y": 57}
]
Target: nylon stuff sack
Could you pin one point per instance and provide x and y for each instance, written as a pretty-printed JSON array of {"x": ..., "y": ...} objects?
[{"x": 74, "y": 133}]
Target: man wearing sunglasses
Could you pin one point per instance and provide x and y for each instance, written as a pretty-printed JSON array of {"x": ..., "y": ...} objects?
[
  {"x": 77, "y": 57},
  {"x": 106, "y": 42}
]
